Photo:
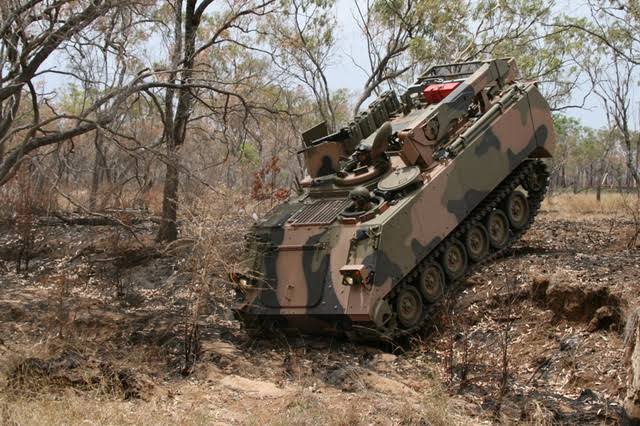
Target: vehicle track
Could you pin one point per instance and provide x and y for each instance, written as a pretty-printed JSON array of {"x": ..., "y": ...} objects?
[{"x": 526, "y": 172}]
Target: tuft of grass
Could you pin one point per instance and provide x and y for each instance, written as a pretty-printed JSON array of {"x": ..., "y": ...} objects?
[{"x": 538, "y": 414}]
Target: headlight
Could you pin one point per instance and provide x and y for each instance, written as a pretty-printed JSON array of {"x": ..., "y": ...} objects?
[
  {"x": 354, "y": 275},
  {"x": 241, "y": 280}
]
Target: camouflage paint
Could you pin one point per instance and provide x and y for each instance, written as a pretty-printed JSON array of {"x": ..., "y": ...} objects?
[{"x": 299, "y": 264}]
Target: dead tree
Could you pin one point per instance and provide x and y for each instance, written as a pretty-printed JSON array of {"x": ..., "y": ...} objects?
[
  {"x": 183, "y": 80},
  {"x": 405, "y": 37},
  {"x": 632, "y": 362},
  {"x": 304, "y": 42},
  {"x": 612, "y": 82},
  {"x": 385, "y": 46},
  {"x": 22, "y": 54}
]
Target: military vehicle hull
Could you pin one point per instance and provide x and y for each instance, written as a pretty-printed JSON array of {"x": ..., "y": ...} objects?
[{"x": 313, "y": 268}]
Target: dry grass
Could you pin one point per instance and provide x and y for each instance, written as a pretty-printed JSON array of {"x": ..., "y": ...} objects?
[
  {"x": 111, "y": 197},
  {"x": 45, "y": 197},
  {"x": 212, "y": 227},
  {"x": 586, "y": 203},
  {"x": 24, "y": 194},
  {"x": 72, "y": 409},
  {"x": 364, "y": 408},
  {"x": 614, "y": 207},
  {"x": 539, "y": 415},
  {"x": 307, "y": 408},
  {"x": 202, "y": 402}
]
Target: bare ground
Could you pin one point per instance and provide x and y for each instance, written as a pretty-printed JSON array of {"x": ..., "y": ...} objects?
[{"x": 102, "y": 330}]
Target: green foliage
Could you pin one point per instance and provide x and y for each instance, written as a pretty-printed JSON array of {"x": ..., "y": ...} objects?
[
  {"x": 430, "y": 24},
  {"x": 459, "y": 30},
  {"x": 580, "y": 146},
  {"x": 249, "y": 154},
  {"x": 341, "y": 100},
  {"x": 75, "y": 100},
  {"x": 565, "y": 125},
  {"x": 303, "y": 38}
]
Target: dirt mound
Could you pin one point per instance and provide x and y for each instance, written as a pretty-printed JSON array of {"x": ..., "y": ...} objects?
[
  {"x": 257, "y": 388},
  {"x": 594, "y": 304}
]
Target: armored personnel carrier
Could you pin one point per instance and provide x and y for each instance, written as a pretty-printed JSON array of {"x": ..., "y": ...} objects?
[{"x": 401, "y": 204}]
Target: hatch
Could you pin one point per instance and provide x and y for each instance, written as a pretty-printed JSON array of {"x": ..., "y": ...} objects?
[{"x": 295, "y": 276}]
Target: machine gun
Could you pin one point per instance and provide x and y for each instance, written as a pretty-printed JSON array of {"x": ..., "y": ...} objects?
[{"x": 323, "y": 151}]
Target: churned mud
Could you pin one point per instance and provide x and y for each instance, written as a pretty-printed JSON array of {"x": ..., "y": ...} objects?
[{"x": 103, "y": 330}]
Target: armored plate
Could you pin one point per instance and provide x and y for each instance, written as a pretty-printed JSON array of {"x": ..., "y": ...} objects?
[
  {"x": 313, "y": 268},
  {"x": 399, "y": 179}
]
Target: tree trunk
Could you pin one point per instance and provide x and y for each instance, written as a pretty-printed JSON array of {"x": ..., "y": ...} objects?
[
  {"x": 173, "y": 124},
  {"x": 637, "y": 159},
  {"x": 633, "y": 175},
  {"x": 366, "y": 92},
  {"x": 168, "y": 225},
  {"x": 632, "y": 361},
  {"x": 99, "y": 166}
]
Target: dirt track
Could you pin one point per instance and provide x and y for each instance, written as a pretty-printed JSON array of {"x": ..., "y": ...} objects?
[{"x": 93, "y": 331}]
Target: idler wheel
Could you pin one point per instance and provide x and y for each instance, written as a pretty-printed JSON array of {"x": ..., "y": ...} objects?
[
  {"x": 454, "y": 260},
  {"x": 382, "y": 314},
  {"x": 432, "y": 282},
  {"x": 534, "y": 181},
  {"x": 498, "y": 229},
  {"x": 409, "y": 306},
  {"x": 477, "y": 242},
  {"x": 517, "y": 209}
]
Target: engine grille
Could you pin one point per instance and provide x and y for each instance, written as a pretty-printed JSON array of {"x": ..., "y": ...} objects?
[{"x": 320, "y": 212}]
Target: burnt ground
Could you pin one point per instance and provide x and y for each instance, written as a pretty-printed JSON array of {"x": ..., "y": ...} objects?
[
  {"x": 559, "y": 301},
  {"x": 101, "y": 329}
]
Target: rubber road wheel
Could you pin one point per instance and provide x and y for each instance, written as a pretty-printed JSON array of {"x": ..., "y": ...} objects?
[
  {"x": 454, "y": 260},
  {"x": 477, "y": 242},
  {"x": 498, "y": 228},
  {"x": 517, "y": 209},
  {"x": 431, "y": 282},
  {"x": 409, "y": 306}
]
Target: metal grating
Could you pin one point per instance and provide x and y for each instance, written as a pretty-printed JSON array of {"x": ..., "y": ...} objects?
[{"x": 321, "y": 212}]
